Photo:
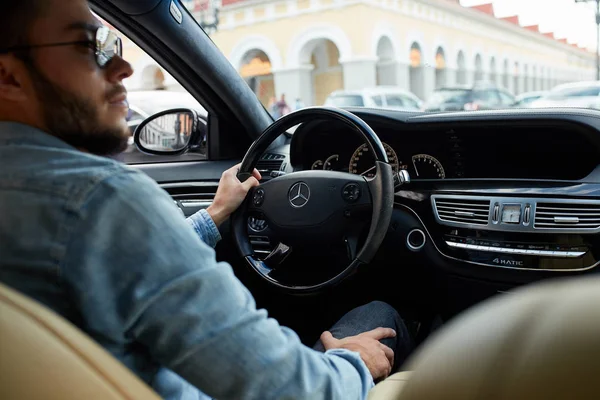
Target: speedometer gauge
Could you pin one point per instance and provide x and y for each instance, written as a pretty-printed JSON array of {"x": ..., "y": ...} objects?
[
  {"x": 317, "y": 165},
  {"x": 331, "y": 164},
  {"x": 362, "y": 161},
  {"x": 428, "y": 167}
]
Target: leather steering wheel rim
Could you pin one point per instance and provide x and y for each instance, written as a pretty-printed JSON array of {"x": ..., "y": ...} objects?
[{"x": 380, "y": 188}]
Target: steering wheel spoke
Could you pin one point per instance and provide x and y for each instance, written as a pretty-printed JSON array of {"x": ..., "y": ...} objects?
[
  {"x": 351, "y": 242},
  {"x": 317, "y": 207},
  {"x": 278, "y": 255}
]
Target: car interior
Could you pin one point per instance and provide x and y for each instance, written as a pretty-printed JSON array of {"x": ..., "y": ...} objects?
[{"x": 431, "y": 213}]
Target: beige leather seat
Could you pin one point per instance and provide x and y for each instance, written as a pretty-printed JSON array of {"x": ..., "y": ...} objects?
[
  {"x": 541, "y": 342},
  {"x": 390, "y": 388},
  {"x": 42, "y": 356}
]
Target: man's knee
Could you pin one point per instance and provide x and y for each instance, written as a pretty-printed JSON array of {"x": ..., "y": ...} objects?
[{"x": 382, "y": 309}]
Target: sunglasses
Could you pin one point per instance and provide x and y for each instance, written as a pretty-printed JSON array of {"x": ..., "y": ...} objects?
[{"x": 106, "y": 45}]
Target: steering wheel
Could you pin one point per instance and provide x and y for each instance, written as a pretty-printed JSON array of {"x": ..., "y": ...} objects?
[{"x": 316, "y": 208}]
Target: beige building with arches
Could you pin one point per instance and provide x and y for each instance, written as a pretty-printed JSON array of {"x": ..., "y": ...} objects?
[{"x": 308, "y": 48}]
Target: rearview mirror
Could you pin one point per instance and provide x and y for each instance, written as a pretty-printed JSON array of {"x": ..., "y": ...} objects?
[{"x": 170, "y": 132}]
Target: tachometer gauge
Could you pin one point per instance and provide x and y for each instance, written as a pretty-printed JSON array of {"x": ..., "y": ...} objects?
[
  {"x": 332, "y": 163},
  {"x": 362, "y": 161},
  {"x": 317, "y": 165},
  {"x": 427, "y": 167}
]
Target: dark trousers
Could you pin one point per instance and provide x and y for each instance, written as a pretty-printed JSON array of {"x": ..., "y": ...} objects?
[{"x": 368, "y": 317}]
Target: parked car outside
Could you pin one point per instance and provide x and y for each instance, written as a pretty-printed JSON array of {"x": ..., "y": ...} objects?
[
  {"x": 377, "y": 97},
  {"x": 480, "y": 96},
  {"x": 577, "y": 94},
  {"x": 525, "y": 99}
]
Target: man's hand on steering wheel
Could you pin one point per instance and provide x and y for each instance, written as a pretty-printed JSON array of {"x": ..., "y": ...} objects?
[{"x": 230, "y": 194}]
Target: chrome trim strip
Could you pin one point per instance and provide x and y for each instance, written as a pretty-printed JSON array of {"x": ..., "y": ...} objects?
[
  {"x": 544, "y": 253},
  {"x": 195, "y": 203},
  {"x": 566, "y": 220},
  {"x": 464, "y": 214},
  {"x": 189, "y": 184}
]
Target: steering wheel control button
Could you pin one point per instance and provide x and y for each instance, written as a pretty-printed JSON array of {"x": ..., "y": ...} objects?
[
  {"x": 351, "y": 192},
  {"x": 257, "y": 224},
  {"x": 299, "y": 195},
  {"x": 415, "y": 240},
  {"x": 259, "y": 197}
]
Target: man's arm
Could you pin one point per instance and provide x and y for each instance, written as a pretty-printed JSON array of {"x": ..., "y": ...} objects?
[
  {"x": 139, "y": 274},
  {"x": 230, "y": 194},
  {"x": 205, "y": 227}
]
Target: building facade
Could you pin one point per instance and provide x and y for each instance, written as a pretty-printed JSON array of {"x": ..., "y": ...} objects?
[{"x": 308, "y": 48}]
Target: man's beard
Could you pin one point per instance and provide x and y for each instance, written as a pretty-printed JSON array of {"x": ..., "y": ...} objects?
[{"x": 74, "y": 119}]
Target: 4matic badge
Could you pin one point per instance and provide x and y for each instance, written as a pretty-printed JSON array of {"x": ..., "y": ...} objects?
[{"x": 508, "y": 263}]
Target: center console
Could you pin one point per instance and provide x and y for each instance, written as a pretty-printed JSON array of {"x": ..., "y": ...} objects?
[{"x": 520, "y": 233}]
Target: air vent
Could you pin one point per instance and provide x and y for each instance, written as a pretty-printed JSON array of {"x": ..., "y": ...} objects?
[
  {"x": 463, "y": 211},
  {"x": 271, "y": 156},
  {"x": 269, "y": 163},
  {"x": 578, "y": 216}
]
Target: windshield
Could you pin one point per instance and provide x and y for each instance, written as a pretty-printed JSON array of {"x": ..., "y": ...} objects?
[{"x": 451, "y": 54}]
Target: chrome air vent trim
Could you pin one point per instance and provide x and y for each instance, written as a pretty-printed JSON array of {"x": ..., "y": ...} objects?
[
  {"x": 462, "y": 210},
  {"x": 537, "y": 215},
  {"x": 571, "y": 215}
]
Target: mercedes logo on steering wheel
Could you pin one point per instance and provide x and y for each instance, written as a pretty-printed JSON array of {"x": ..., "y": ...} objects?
[{"x": 299, "y": 195}]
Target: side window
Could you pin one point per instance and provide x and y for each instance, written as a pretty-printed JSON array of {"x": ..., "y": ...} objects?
[
  {"x": 151, "y": 89},
  {"x": 394, "y": 100},
  {"x": 377, "y": 100}
]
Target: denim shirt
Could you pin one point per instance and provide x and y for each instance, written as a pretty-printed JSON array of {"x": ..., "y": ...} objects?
[{"x": 104, "y": 246}]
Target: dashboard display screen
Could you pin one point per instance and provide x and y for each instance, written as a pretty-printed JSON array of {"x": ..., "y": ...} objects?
[{"x": 511, "y": 214}]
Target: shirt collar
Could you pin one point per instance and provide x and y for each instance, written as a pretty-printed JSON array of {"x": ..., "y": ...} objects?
[{"x": 18, "y": 133}]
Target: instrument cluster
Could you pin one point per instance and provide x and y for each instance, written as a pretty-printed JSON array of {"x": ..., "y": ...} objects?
[{"x": 362, "y": 162}]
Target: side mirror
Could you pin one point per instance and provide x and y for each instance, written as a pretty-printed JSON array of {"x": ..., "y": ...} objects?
[{"x": 170, "y": 132}]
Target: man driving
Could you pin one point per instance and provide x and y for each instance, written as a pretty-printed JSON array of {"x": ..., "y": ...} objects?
[{"x": 104, "y": 246}]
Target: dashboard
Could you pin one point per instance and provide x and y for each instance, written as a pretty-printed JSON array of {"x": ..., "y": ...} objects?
[
  {"x": 496, "y": 199},
  {"x": 543, "y": 150}
]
